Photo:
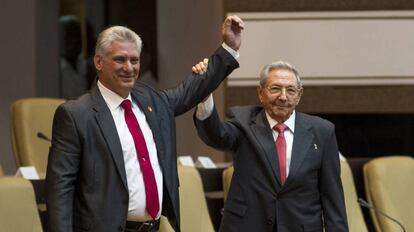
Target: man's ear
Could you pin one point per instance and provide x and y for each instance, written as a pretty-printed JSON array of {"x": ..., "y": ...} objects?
[
  {"x": 97, "y": 60},
  {"x": 259, "y": 93},
  {"x": 300, "y": 95}
]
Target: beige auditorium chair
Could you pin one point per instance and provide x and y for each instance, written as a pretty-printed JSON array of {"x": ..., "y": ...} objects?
[
  {"x": 165, "y": 225},
  {"x": 30, "y": 117},
  {"x": 355, "y": 218},
  {"x": 354, "y": 215},
  {"x": 227, "y": 175},
  {"x": 18, "y": 209},
  {"x": 193, "y": 207},
  {"x": 389, "y": 186}
]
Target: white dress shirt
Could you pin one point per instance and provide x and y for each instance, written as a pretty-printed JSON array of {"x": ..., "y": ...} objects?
[
  {"x": 289, "y": 132},
  {"x": 137, "y": 205},
  {"x": 204, "y": 110}
]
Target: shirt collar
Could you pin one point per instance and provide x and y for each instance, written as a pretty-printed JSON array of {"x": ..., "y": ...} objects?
[
  {"x": 112, "y": 99},
  {"x": 290, "y": 122}
]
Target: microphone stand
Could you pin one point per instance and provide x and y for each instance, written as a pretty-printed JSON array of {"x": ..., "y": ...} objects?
[{"x": 365, "y": 204}]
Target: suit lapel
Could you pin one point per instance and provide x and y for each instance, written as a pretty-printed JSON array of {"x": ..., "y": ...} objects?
[
  {"x": 301, "y": 142},
  {"x": 106, "y": 123},
  {"x": 153, "y": 120},
  {"x": 264, "y": 138}
]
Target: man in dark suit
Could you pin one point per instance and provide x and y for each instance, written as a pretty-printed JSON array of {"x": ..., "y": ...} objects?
[
  {"x": 112, "y": 163},
  {"x": 286, "y": 164}
]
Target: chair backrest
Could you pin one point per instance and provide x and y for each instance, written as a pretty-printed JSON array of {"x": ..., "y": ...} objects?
[
  {"x": 193, "y": 206},
  {"x": 389, "y": 187},
  {"x": 356, "y": 220},
  {"x": 29, "y": 117},
  {"x": 18, "y": 209},
  {"x": 1, "y": 171},
  {"x": 227, "y": 175},
  {"x": 165, "y": 225},
  {"x": 354, "y": 214}
]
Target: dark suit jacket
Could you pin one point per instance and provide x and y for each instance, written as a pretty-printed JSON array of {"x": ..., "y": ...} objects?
[
  {"x": 86, "y": 183},
  {"x": 312, "y": 194}
]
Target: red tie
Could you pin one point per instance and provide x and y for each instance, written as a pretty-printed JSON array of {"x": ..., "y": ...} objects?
[
  {"x": 281, "y": 150},
  {"x": 151, "y": 191}
]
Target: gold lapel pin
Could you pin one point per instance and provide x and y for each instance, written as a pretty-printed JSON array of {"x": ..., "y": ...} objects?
[
  {"x": 315, "y": 146},
  {"x": 149, "y": 109}
]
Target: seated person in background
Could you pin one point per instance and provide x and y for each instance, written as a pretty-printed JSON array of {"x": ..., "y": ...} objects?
[
  {"x": 147, "y": 75},
  {"x": 73, "y": 67},
  {"x": 286, "y": 164}
]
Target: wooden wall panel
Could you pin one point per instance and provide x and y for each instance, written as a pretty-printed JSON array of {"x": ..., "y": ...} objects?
[
  {"x": 331, "y": 99},
  {"x": 318, "y": 5}
]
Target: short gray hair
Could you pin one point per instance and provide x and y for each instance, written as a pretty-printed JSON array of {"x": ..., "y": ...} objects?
[
  {"x": 116, "y": 33},
  {"x": 278, "y": 65}
]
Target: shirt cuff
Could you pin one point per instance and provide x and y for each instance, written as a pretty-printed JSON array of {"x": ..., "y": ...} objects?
[
  {"x": 205, "y": 108},
  {"x": 233, "y": 52}
]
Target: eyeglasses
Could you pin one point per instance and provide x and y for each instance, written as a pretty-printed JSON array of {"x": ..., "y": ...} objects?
[{"x": 289, "y": 91}]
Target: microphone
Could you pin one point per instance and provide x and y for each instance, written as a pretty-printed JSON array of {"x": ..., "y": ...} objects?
[
  {"x": 365, "y": 204},
  {"x": 40, "y": 135}
]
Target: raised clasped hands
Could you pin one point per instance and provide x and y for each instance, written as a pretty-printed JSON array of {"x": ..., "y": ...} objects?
[{"x": 231, "y": 31}]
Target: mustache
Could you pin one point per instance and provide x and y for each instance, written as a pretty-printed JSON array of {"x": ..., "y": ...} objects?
[{"x": 281, "y": 104}]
